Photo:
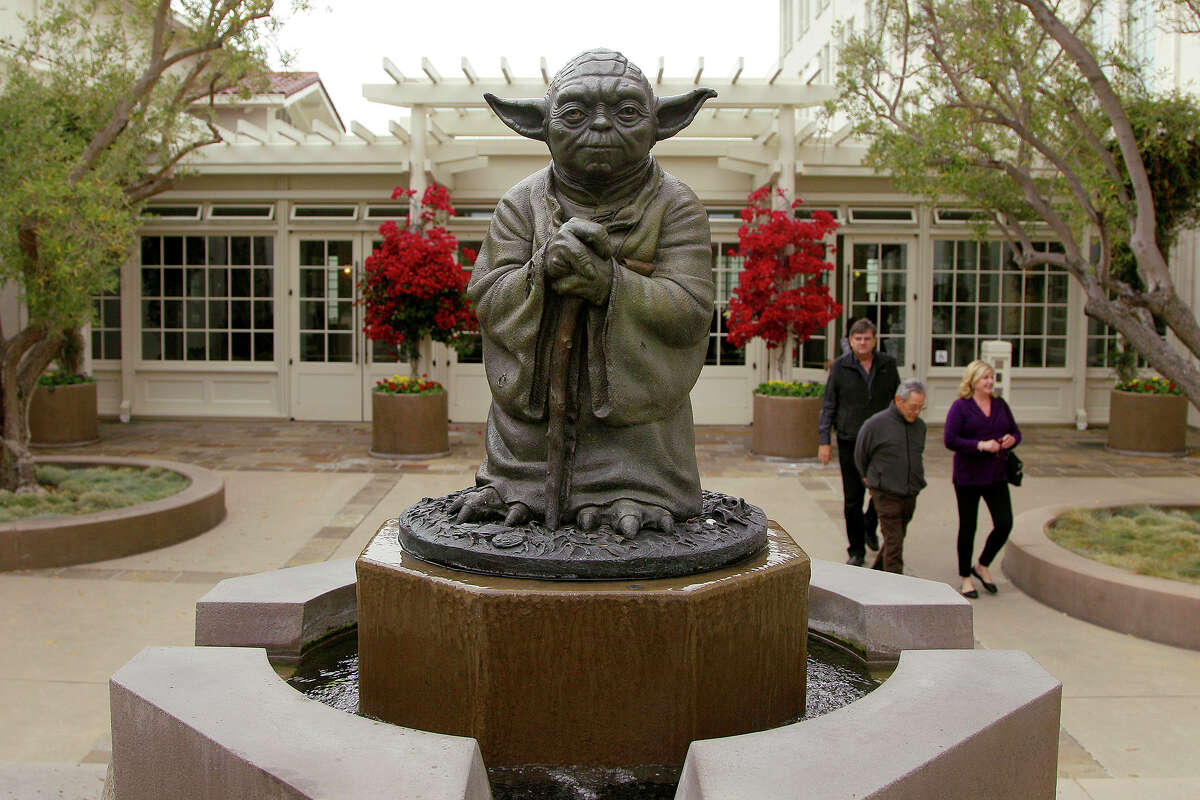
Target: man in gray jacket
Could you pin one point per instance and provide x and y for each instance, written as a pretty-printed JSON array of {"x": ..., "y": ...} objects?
[{"x": 888, "y": 455}]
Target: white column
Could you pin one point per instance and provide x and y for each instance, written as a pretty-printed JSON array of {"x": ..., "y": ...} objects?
[
  {"x": 787, "y": 183},
  {"x": 416, "y": 165}
]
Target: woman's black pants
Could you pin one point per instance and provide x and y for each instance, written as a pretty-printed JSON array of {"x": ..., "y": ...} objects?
[{"x": 999, "y": 505}]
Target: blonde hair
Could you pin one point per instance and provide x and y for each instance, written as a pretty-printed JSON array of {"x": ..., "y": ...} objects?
[{"x": 975, "y": 370}]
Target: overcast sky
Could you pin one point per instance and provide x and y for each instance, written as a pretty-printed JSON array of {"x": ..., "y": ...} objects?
[{"x": 347, "y": 40}]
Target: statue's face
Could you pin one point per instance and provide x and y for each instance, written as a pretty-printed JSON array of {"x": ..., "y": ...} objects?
[{"x": 600, "y": 128}]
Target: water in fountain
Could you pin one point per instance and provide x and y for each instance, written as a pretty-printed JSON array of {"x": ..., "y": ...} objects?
[{"x": 835, "y": 678}]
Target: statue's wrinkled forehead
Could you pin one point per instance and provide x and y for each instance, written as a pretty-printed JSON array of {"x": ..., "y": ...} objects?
[{"x": 598, "y": 64}]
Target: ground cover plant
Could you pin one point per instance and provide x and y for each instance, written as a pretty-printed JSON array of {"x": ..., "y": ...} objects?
[
  {"x": 1148, "y": 540},
  {"x": 89, "y": 489}
]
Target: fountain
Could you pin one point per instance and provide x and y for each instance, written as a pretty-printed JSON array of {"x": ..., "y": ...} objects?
[{"x": 585, "y": 602}]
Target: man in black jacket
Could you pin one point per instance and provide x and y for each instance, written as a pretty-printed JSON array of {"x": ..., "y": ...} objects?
[
  {"x": 861, "y": 383},
  {"x": 889, "y": 454}
]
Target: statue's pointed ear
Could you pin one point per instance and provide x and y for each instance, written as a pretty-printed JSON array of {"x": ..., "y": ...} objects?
[
  {"x": 677, "y": 111},
  {"x": 526, "y": 117}
]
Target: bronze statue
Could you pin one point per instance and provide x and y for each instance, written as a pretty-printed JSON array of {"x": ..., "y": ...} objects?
[{"x": 594, "y": 296}]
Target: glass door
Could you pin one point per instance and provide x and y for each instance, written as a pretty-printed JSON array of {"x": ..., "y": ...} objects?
[
  {"x": 881, "y": 289},
  {"x": 327, "y": 342}
]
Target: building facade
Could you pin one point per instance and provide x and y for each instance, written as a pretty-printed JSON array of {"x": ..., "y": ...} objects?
[{"x": 239, "y": 300}]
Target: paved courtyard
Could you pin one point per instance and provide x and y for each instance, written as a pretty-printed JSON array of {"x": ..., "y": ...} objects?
[{"x": 305, "y": 492}]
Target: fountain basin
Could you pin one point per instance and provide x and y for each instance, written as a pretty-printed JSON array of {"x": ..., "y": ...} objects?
[
  {"x": 1009, "y": 702},
  {"x": 595, "y": 673}
]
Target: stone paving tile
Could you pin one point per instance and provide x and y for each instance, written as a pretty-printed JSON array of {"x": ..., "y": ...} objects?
[{"x": 1048, "y": 450}]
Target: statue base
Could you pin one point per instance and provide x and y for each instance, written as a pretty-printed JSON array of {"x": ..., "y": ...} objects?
[
  {"x": 726, "y": 531},
  {"x": 600, "y": 673}
]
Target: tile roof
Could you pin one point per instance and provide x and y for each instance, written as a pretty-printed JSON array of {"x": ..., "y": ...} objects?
[{"x": 285, "y": 83}]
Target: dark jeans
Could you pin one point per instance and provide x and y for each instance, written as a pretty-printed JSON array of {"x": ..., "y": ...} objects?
[
  {"x": 853, "y": 492},
  {"x": 999, "y": 505},
  {"x": 895, "y": 512}
]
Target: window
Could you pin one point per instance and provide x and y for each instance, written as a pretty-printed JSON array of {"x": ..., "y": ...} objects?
[
  {"x": 172, "y": 212},
  {"x": 264, "y": 213},
  {"x": 325, "y": 213},
  {"x": 471, "y": 351},
  {"x": 726, "y": 266},
  {"x": 1103, "y": 346},
  {"x": 208, "y": 298},
  {"x": 882, "y": 215},
  {"x": 980, "y": 293},
  {"x": 106, "y": 327}
]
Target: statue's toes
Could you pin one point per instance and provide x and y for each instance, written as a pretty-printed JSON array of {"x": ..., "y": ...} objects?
[
  {"x": 666, "y": 523},
  {"x": 518, "y": 514},
  {"x": 586, "y": 518},
  {"x": 629, "y": 525},
  {"x": 469, "y": 510}
]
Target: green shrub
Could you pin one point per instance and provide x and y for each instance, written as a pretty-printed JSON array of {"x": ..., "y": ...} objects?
[
  {"x": 60, "y": 378},
  {"x": 791, "y": 389}
]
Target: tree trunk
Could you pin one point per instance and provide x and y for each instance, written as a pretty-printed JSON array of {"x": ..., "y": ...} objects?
[{"x": 23, "y": 359}]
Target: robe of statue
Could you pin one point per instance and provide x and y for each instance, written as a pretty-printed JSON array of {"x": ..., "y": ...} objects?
[{"x": 641, "y": 353}]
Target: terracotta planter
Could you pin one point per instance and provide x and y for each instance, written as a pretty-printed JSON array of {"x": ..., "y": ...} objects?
[
  {"x": 1147, "y": 424},
  {"x": 63, "y": 416},
  {"x": 409, "y": 425},
  {"x": 785, "y": 427}
]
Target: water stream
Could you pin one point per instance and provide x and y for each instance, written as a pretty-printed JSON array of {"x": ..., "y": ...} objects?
[{"x": 329, "y": 673}]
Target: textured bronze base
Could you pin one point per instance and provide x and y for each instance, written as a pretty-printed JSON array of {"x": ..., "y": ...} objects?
[
  {"x": 613, "y": 673},
  {"x": 726, "y": 531}
]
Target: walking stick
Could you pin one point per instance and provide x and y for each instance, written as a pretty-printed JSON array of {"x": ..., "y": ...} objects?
[{"x": 563, "y": 409}]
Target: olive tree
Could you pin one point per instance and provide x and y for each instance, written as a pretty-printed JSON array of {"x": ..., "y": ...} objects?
[
  {"x": 1012, "y": 106},
  {"x": 100, "y": 101}
]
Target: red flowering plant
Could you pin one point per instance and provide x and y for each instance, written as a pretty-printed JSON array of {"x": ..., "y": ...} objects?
[
  {"x": 414, "y": 285},
  {"x": 780, "y": 294}
]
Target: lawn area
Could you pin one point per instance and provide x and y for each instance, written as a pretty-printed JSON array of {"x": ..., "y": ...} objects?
[
  {"x": 1149, "y": 540},
  {"x": 88, "y": 489}
]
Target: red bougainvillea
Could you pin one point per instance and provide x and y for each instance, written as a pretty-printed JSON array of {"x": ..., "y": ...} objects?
[
  {"x": 414, "y": 284},
  {"x": 779, "y": 291}
]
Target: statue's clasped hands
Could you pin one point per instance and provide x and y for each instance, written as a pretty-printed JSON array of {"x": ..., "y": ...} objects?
[{"x": 579, "y": 261}]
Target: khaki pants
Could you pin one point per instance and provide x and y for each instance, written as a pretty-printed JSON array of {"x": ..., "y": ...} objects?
[{"x": 895, "y": 512}]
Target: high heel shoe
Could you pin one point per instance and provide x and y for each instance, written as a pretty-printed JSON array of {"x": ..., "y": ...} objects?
[{"x": 991, "y": 587}]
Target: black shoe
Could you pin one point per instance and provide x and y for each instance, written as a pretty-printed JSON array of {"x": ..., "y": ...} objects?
[
  {"x": 855, "y": 561},
  {"x": 991, "y": 587},
  {"x": 872, "y": 540},
  {"x": 971, "y": 593}
]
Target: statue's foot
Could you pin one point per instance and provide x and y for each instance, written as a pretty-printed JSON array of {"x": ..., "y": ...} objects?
[
  {"x": 484, "y": 502},
  {"x": 625, "y": 516}
]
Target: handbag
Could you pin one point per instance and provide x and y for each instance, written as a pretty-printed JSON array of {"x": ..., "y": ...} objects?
[{"x": 1014, "y": 470}]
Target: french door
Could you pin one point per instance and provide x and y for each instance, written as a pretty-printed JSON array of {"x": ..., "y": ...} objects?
[{"x": 880, "y": 287}]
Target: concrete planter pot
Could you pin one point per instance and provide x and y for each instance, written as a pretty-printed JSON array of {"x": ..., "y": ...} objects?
[
  {"x": 64, "y": 416},
  {"x": 785, "y": 427},
  {"x": 409, "y": 425},
  {"x": 1147, "y": 424}
]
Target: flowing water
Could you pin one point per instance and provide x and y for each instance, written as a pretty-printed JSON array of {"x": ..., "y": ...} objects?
[{"x": 329, "y": 673}]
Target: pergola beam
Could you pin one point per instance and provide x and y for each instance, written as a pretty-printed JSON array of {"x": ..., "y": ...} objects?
[{"x": 459, "y": 93}]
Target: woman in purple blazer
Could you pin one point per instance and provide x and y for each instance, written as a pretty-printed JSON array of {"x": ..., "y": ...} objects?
[{"x": 980, "y": 429}]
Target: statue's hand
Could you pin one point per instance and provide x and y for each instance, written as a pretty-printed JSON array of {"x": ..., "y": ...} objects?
[
  {"x": 579, "y": 261},
  {"x": 483, "y": 502},
  {"x": 627, "y": 517}
]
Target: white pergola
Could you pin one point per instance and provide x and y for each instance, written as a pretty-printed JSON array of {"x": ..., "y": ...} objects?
[{"x": 749, "y": 128}]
